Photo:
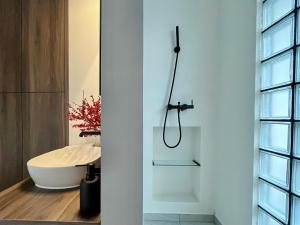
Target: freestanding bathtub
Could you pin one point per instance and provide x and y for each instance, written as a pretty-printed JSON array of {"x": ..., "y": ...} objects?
[{"x": 56, "y": 169}]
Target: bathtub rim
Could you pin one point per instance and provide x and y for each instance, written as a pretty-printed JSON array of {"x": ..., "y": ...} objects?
[{"x": 59, "y": 167}]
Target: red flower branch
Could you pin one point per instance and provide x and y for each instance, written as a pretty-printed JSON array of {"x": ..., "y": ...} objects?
[{"x": 88, "y": 113}]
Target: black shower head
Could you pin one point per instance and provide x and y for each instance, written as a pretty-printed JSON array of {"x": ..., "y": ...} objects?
[{"x": 177, "y": 48}]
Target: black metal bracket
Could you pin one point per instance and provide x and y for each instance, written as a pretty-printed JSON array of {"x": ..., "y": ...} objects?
[{"x": 89, "y": 133}]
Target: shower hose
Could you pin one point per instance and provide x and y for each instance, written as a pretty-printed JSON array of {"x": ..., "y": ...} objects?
[{"x": 178, "y": 110}]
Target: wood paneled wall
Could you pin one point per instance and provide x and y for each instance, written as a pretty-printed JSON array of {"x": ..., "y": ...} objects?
[
  {"x": 43, "y": 44},
  {"x": 10, "y": 139},
  {"x": 33, "y": 83},
  {"x": 10, "y": 45}
]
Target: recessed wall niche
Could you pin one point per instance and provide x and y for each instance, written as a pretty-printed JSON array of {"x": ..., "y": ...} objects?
[{"x": 177, "y": 171}]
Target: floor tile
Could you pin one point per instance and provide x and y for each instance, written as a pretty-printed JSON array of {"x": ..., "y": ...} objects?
[
  {"x": 161, "y": 217},
  {"x": 195, "y": 223},
  {"x": 196, "y": 218},
  {"x": 161, "y": 223}
]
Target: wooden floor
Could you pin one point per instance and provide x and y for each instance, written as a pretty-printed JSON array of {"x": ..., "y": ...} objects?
[{"x": 25, "y": 203}]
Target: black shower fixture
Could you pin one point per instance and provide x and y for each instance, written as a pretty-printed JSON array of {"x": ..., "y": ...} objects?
[
  {"x": 179, "y": 107},
  {"x": 177, "y": 48}
]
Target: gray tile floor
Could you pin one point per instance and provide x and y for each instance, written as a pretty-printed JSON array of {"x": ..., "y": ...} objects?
[{"x": 174, "y": 223}]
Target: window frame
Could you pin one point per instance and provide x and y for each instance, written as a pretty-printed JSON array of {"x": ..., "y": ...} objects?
[{"x": 295, "y": 12}]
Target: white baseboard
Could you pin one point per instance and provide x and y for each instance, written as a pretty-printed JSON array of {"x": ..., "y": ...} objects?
[{"x": 181, "y": 218}]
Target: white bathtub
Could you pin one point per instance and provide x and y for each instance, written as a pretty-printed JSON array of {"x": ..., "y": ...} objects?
[{"x": 56, "y": 169}]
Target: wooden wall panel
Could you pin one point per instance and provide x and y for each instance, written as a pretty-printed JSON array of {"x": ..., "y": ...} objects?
[
  {"x": 43, "y": 45},
  {"x": 10, "y": 139},
  {"x": 66, "y": 81},
  {"x": 43, "y": 124},
  {"x": 34, "y": 70},
  {"x": 10, "y": 45}
]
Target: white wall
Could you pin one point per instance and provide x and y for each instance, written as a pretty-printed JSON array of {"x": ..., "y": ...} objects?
[
  {"x": 122, "y": 91},
  {"x": 235, "y": 130},
  {"x": 84, "y": 30},
  {"x": 122, "y": 100},
  {"x": 217, "y": 70},
  {"x": 195, "y": 79}
]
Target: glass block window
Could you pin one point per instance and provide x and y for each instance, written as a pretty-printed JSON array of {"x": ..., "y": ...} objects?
[
  {"x": 275, "y": 168},
  {"x": 275, "y": 10},
  {"x": 295, "y": 211},
  {"x": 266, "y": 219},
  {"x": 296, "y": 178},
  {"x": 279, "y": 163},
  {"x": 278, "y": 71},
  {"x": 276, "y": 136},
  {"x": 298, "y": 65},
  {"x": 278, "y": 38},
  {"x": 274, "y": 200},
  {"x": 276, "y": 103}
]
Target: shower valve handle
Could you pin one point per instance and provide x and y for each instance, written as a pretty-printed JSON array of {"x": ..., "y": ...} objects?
[
  {"x": 186, "y": 106},
  {"x": 181, "y": 107}
]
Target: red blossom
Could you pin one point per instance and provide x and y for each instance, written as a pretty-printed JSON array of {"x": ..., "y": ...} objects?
[{"x": 88, "y": 114}]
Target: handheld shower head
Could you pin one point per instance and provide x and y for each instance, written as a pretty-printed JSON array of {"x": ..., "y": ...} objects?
[
  {"x": 177, "y": 48},
  {"x": 177, "y": 36}
]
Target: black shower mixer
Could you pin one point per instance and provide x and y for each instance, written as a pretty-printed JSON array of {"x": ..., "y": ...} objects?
[{"x": 181, "y": 107}]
